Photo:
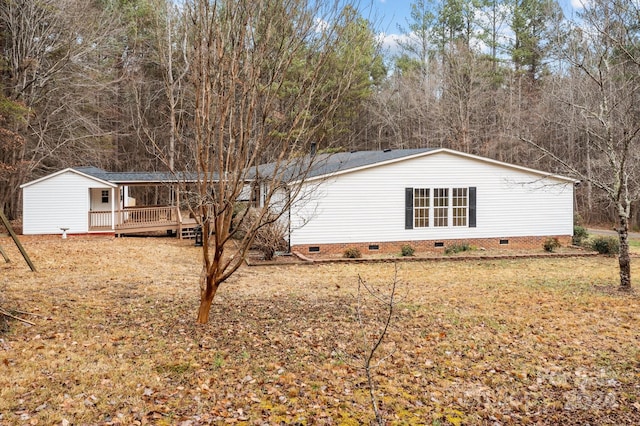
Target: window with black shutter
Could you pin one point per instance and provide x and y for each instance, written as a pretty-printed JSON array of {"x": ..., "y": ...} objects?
[
  {"x": 443, "y": 207},
  {"x": 472, "y": 207},
  {"x": 408, "y": 208}
]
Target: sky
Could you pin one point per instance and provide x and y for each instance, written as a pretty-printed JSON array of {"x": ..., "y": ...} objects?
[{"x": 388, "y": 14}]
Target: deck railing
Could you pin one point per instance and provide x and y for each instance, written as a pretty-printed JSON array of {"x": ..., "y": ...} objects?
[
  {"x": 134, "y": 217},
  {"x": 100, "y": 219}
]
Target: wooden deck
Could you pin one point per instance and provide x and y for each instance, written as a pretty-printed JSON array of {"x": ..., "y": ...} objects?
[{"x": 133, "y": 220}]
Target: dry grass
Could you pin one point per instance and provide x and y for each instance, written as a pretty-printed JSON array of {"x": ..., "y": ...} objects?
[{"x": 546, "y": 341}]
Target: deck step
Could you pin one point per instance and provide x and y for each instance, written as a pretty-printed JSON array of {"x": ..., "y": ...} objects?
[{"x": 188, "y": 233}]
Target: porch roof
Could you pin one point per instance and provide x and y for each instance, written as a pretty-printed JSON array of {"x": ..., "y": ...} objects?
[{"x": 132, "y": 178}]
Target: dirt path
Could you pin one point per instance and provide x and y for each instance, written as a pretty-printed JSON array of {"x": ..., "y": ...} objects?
[{"x": 596, "y": 231}]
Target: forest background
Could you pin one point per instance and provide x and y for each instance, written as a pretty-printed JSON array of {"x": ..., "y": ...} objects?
[{"x": 107, "y": 83}]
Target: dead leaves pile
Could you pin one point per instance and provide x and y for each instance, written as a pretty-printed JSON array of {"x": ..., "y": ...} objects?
[{"x": 504, "y": 342}]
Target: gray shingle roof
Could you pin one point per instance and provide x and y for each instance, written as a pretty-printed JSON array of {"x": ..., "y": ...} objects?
[
  {"x": 327, "y": 164},
  {"x": 323, "y": 164},
  {"x": 134, "y": 177},
  {"x": 342, "y": 161}
]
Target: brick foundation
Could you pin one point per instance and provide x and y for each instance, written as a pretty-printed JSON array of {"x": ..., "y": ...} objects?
[{"x": 430, "y": 246}]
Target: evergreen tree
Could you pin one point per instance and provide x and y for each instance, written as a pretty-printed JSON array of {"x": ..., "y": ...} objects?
[{"x": 535, "y": 24}]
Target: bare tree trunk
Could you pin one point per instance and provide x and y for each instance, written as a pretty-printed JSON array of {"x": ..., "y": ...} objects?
[
  {"x": 208, "y": 290},
  {"x": 589, "y": 208},
  {"x": 624, "y": 259}
]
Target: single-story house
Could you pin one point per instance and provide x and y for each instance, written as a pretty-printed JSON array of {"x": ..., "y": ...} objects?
[
  {"x": 90, "y": 200},
  {"x": 86, "y": 200},
  {"x": 370, "y": 200},
  {"x": 427, "y": 198}
]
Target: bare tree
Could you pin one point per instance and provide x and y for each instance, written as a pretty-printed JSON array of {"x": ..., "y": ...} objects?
[
  {"x": 259, "y": 76},
  {"x": 386, "y": 304},
  {"x": 11, "y": 143},
  {"x": 604, "y": 47},
  {"x": 54, "y": 54},
  {"x": 166, "y": 58}
]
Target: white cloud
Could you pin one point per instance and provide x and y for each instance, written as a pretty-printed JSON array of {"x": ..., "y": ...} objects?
[
  {"x": 321, "y": 25},
  {"x": 390, "y": 43},
  {"x": 579, "y": 4}
]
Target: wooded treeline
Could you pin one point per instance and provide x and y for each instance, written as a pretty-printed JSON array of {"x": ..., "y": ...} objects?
[{"x": 111, "y": 83}]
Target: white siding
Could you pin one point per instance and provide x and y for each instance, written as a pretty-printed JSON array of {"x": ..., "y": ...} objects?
[
  {"x": 245, "y": 194},
  {"x": 368, "y": 205},
  {"x": 96, "y": 199},
  {"x": 60, "y": 201}
]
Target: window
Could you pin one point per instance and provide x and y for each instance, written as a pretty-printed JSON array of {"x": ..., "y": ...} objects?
[
  {"x": 459, "y": 200},
  {"x": 421, "y": 207},
  {"x": 105, "y": 196},
  {"x": 441, "y": 207},
  {"x": 255, "y": 195}
]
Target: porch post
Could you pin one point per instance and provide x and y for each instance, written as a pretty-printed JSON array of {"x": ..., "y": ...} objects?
[
  {"x": 178, "y": 214},
  {"x": 113, "y": 206}
]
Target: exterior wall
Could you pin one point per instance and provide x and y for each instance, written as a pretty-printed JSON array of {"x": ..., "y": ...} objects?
[
  {"x": 245, "y": 194},
  {"x": 61, "y": 201},
  {"x": 395, "y": 247},
  {"x": 367, "y": 206},
  {"x": 250, "y": 195},
  {"x": 96, "y": 199}
]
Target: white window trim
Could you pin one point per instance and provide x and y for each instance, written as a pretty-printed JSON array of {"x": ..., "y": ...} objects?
[
  {"x": 466, "y": 208},
  {"x": 429, "y": 208},
  {"x": 450, "y": 207}
]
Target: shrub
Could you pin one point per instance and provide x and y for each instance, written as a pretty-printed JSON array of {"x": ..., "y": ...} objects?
[
  {"x": 577, "y": 219},
  {"x": 606, "y": 245},
  {"x": 270, "y": 237},
  {"x": 457, "y": 248},
  {"x": 580, "y": 234},
  {"x": 352, "y": 253},
  {"x": 551, "y": 244},
  {"x": 241, "y": 211},
  {"x": 407, "y": 250}
]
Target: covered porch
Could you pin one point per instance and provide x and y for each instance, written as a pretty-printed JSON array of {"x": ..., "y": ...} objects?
[
  {"x": 131, "y": 220},
  {"x": 138, "y": 202}
]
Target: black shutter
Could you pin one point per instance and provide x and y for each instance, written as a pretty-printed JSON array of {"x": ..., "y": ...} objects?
[
  {"x": 472, "y": 207},
  {"x": 408, "y": 208}
]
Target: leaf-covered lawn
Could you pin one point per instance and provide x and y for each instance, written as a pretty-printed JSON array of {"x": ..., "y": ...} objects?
[{"x": 546, "y": 341}]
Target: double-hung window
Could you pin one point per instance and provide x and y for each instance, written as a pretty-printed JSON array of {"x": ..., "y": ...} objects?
[
  {"x": 421, "y": 207},
  {"x": 440, "y": 207},
  {"x": 460, "y": 203}
]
